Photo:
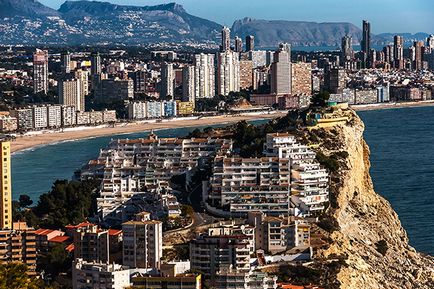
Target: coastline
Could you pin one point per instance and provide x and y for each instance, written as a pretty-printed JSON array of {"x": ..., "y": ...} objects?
[
  {"x": 392, "y": 105},
  {"x": 36, "y": 139}
]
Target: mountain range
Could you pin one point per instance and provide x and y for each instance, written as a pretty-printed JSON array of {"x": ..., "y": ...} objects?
[{"x": 28, "y": 22}]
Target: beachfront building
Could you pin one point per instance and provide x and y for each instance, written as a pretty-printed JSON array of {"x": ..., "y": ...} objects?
[
  {"x": 69, "y": 117},
  {"x": 130, "y": 168},
  {"x": 54, "y": 116},
  {"x": 24, "y": 118}
]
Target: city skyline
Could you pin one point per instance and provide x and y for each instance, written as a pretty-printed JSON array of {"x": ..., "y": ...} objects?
[{"x": 387, "y": 17}]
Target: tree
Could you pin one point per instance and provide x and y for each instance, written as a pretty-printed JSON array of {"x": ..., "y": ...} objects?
[
  {"x": 25, "y": 201},
  {"x": 14, "y": 275},
  {"x": 56, "y": 261},
  {"x": 320, "y": 99}
]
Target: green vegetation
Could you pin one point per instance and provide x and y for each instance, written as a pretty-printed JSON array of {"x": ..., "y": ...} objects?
[
  {"x": 68, "y": 202},
  {"x": 13, "y": 276},
  {"x": 382, "y": 247},
  {"x": 320, "y": 99},
  {"x": 56, "y": 261}
]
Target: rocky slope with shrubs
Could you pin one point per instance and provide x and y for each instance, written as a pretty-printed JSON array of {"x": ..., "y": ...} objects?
[{"x": 365, "y": 237}]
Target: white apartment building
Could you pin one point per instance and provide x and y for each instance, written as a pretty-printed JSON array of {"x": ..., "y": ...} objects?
[
  {"x": 126, "y": 167},
  {"x": 286, "y": 181},
  {"x": 137, "y": 110},
  {"x": 83, "y": 77},
  {"x": 228, "y": 72},
  {"x": 93, "y": 275},
  {"x": 68, "y": 115},
  {"x": 204, "y": 76},
  {"x": 54, "y": 115},
  {"x": 70, "y": 93},
  {"x": 188, "y": 83},
  {"x": 167, "y": 81},
  {"x": 142, "y": 242},
  {"x": 242, "y": 185},
  {"x": 40, "y": 117},
  {"x": 154, "y": 109}
]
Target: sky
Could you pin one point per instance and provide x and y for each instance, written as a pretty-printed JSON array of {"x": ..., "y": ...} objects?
[{"x": 385, "y": 15}]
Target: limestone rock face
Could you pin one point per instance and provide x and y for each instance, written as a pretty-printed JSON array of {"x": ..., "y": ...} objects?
[{"x": 367, "y": 223}]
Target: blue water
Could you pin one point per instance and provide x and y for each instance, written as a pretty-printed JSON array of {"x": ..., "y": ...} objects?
[
  {"x": 35, "y": 170},
  {"x": 402, "y": 159}
]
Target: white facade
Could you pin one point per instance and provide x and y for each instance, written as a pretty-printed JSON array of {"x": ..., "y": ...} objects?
[
  {"x": 68, "y": 115},
  {"x": 91, "y": 275},
  {"x": 70, "y": 93},
  {"x": 167, "y": 81},
  {"x": 204, "y": 76},
  {"x": 137, "y": 110},
  {"x": 142, "y": 243},
  {"x": 40, "y": 117},
  {"x": 228, "y": 72},
  {"x": 54, "y": 115}
]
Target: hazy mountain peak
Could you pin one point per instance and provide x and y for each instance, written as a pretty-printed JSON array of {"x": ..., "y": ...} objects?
[{"x": 31, "y": 8}]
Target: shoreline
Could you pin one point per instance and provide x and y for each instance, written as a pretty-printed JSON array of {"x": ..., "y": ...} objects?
[
  {"x": 37, "y": 139},
  {"x": 392, "y": 105}
]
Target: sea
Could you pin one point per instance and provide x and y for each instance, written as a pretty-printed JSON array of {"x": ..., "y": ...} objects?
[{"x": 402, "y": 165}]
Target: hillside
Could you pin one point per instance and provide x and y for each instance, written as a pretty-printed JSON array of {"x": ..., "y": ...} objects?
[
  {"x": 93, "y": 22},
  {"x": 269, "y": 33},
  {"x": 367, "y": 235}
]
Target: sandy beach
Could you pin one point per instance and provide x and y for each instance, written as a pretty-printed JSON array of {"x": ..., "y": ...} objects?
[
  {"x": 392, "y": 105},
  {"x": 48, "y": 137}
]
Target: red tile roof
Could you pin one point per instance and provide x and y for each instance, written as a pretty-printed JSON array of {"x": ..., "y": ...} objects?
[
  {"x": 113, "y": 232},
  {"x": 59, "y": 239}
]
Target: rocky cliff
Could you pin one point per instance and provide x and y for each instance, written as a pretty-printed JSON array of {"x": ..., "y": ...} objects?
[{"x": 367, "y": 235}]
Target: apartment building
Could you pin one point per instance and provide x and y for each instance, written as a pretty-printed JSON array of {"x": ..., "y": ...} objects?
[
  {"x": 18, "y": 245},
  {"x": 8, "y": 124},
  {"x": 128, "y": 167},
  {"x": 276, "y": 235},
  {"x": 287, "y": 180},
  {"x": 54, "y": 116},
  {"x": 24, "y": 118},
  {"x": 99, "y": 275},
  {"x": 142, "y": 242},
  {"x": 210, "y": 254},
  {"x": 91, "y": 243},
  {"x": 242, "y": 185},
  {"x": 230, "y": 278},
  {"x": 5, "y": 186},
  {"x": 187, "y": 281},
  {"x": 232, "y": 229},
  {"x": 40, "y": 117},
  {"x": 69, "y": 117}
]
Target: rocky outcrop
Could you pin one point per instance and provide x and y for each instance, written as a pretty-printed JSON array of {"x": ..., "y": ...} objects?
[{"x": 367, "y": 232}]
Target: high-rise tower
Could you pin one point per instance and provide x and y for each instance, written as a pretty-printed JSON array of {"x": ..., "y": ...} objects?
[
  {"x": 366, "y": 41},
  {"x": 226, "y": 39},
  {"x": 40, "y": 71},
  {"x": 250, "y": 43},
  {"x": 5, "y": 189}
]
